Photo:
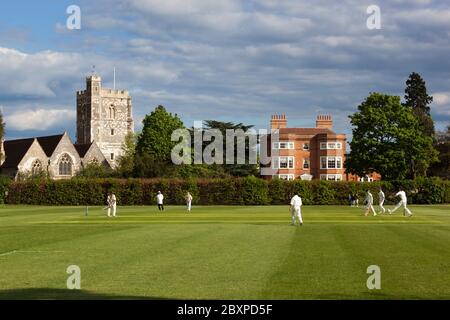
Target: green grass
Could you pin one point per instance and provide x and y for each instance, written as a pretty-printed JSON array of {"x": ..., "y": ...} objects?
[{"x": 223, "y": 253}]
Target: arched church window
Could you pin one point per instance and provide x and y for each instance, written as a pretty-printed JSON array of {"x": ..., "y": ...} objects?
[
  {"x": 112, "y": 112},
  {"x": 36, "y": 168},
  {"x": 94, "y": 162},
  {"x": 65, "y": 166}
]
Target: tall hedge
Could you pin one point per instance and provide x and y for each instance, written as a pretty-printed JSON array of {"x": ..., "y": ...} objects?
[{"x": 229, "y": 191}]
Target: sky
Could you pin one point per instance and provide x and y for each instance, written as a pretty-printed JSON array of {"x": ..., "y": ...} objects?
[{"x": 226, "y": 60}]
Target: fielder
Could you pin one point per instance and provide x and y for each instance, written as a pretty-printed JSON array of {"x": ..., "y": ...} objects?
[
  {"x": 403, "y": 202},
  {"x": 188, "y": 199},
  {"x": 112, "y": 204},
  {"x": 160, "y": 201},
  {"x": 381, "y": 199},
  {"x": 296, "y": 204},
  {"x": 369, "y": 204}
]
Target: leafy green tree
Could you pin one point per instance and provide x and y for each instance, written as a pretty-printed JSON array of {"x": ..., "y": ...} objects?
[
  {"x": 2, "y": 127},
  {"x": 237, "y": 170},
  {"x": 387, "y": 139},
  {"x": 125, "y": 167},
  {"x": 2, "y": 133},
  {"x": 442, "y": 168},
  {"x": 148, "y": 166},
  {"x": 155, "y": 138},
  {"x": 93, "y": 170},
  {"x": 417, "y": 98}
]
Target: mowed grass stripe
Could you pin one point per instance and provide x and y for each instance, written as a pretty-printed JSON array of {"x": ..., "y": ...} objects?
[{"x": 225, "y": 253}]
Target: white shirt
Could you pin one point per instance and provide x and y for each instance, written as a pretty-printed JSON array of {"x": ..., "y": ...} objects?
[
  {"x": 189, "y": 198},
  {"x": 296, "y": 202},
  {"x": 381, "y": 196},
  {"x": 112, "y": 200},
  {"x": 402, "y": 195},
  {"x": 160, "y": 198}
]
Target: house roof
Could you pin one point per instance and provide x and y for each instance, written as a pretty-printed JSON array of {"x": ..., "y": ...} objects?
[
  {"x": 305, "y": 131},
  {"x": 49, "y": 143},
  {"x": 82, "y": 149},
  {"x": 15, "y": 150}
]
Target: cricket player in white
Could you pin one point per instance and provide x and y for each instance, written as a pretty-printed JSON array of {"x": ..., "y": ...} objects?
[
  {"x": 112, "y": 204},
  {"x": 188, "y": 199},
  {"x": 403, "y": 202},
  {"x": 296, "y": 204},
  {"x": 369, "y": 204},
  {"x": 381, "y": 199},
  {"x": 160, "y": 201}
]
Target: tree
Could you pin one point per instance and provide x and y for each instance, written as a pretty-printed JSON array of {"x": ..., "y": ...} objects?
[
  {"x": 237, "y": 170},
  {"x": 417, "y": 98},
  {"x": 93, "y": 170},
  {"x": 442, "y": 168},
  {"x": 155, "y": 138},
  {"x": 2, "y": 136},
  {"x": 387, "y": 139},
  {"x": 125, "y": 167},
  {"x": 2, "y": 127}
]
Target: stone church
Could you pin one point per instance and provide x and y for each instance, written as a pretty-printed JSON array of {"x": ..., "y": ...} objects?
[{"x": 104, "y": 118}]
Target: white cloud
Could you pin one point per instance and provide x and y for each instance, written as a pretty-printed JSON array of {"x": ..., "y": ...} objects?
[
  {"x": 428, "y": 16},
  {"x": 39, "y": 119},
  {"x": 441, "y": 98}
]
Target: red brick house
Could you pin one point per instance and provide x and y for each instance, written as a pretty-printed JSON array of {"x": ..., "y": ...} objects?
[{"x": 307, "y": 153}]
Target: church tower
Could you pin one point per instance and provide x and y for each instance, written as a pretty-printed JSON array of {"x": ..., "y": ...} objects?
[{"x": 104, "y": 116}]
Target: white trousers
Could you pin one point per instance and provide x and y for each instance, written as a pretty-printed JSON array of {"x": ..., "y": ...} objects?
[
  {"x": 370, "y": 207},
  {"x": 405, "y": 208},
  {"x": 297, "y": 213},
  {"x": 381, "y": 204},
  {"x": 113, "y": 209},
  {"x": 189, "y": 205}
]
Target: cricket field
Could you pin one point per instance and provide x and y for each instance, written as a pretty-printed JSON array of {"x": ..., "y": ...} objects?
[{"x": 223, "y": 252}]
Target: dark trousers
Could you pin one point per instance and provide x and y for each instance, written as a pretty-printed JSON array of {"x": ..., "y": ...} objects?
[{"x": 161, "y": 207}]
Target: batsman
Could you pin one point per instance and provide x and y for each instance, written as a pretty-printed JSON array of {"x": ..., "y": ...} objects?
[{"x": 112, "y": 204}]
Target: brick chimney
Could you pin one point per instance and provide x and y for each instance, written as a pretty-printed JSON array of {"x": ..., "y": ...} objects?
[
  {"x": 278, "y": 121},
  {"x": 324, "y": 122}
]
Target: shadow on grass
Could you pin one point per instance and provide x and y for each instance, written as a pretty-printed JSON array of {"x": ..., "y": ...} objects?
[{"x": 64, "y": 294}]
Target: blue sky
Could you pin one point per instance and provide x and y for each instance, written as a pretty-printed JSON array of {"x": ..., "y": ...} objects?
[{"x": 227, "y": 60}]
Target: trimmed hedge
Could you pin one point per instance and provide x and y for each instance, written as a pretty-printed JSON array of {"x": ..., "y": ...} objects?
[{"x": 229, "y": 191}]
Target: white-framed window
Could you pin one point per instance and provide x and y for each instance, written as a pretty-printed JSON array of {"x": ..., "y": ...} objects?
[
  {"x": 331, "y": 177},
  {"x": 305, "y": 163},
  {"x": 288, "y": 177},
  {"x": 331, "y": 145},
  {"x": 306, "y": 146},
  {"x": 330, "y": 162},
  {"x": 283, "y": 145},
  {"x": 283, "y": 163},
  {"x": 365, "y": 179}
]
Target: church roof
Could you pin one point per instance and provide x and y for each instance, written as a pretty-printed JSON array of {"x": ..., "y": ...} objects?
[
  {"x": 82, "y": 149},
  {"x": 49, "y": 143},
  {"x": 15, "y": 150}
]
